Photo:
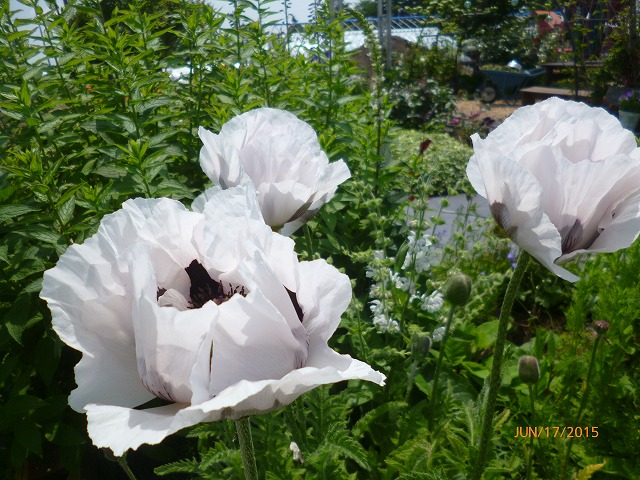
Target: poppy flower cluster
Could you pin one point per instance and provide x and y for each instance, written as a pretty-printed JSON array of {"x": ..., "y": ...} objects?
[{"x": 208, "y": 310}]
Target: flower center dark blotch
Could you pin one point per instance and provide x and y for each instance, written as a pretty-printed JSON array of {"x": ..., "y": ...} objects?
[
  {"x": 204, "y": 288},
  {"x": 296, "y": 305},
  {"x": 502, "y": 217},
  {"x": 575, "y": 238}
]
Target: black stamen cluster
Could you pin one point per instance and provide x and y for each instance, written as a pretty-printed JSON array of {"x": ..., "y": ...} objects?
[{"x": 203, "y": 287}]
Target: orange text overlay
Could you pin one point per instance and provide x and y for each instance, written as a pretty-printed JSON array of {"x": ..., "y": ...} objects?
[{"x": 559, "y": 432}]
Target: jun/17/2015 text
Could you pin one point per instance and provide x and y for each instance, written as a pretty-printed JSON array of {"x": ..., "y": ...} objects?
[{"x": 553, "y": 432}]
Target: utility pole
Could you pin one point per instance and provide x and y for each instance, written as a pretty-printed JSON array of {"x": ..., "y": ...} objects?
[
  {"x": 388, "y": 33},
  {"x": 335, "y": 6},
  {"x": 384, "y": 28}
]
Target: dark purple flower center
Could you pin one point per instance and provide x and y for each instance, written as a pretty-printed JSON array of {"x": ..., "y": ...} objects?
[{"x": 204, "y": 288}]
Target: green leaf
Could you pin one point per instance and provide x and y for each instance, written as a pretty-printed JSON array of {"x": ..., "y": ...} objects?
[
  {"x": 28, "y": 436},
  {"x": 47, "y": 357},
  {"x": 486, "y": 334},
  {"x": 19, "y": 318},
  {"x": 9, "y": 212},
  {"x": 65, "y": 435},
  {"x": 65, "y": 211},
  {"x": 476, "y": 369},
  {"x": 182, "y": 466},
  {"x": 42, "y": 234},
  {"x": 588, "y": 471},
  {"x": 18, "y": 455}
]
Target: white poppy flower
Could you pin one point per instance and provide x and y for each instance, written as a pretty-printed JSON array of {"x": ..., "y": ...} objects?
[
  {"x": 210, "y": 311},
  {"x": 562, "y": 179},
  {"x": 281, "y": 155}
]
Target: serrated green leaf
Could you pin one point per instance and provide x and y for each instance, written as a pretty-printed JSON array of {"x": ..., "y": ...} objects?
[
  {"x": 110, "y": 171},
  {"x": 9, "y": 212},
  {"x": 42, "y": 234},
  {"x": 182, "y": 466},
  {"x": 65, "y": 211}
]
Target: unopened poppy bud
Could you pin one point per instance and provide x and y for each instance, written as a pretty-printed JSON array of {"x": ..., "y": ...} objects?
[
  {"x": 528, "y": 369},
  {"x": 420, "y": 345},
  {"x": 458, "y": 289},
  {"x": 601, "y": 326}
]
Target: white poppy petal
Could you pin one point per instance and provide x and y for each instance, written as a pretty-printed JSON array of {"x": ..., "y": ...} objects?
[
  {"x": 168, "y": 341},
  {"x": 252, "y": 341},
  {"x": 619, "y": 231},
  {"x": 202, "y": 199},
  {"x": 223, "y": 171},
  {"x": 324, "y": 295},
  {"x": 280, "y": 154},
  {"x": 562, "y": 179},
  {"x": 121, "y": 429},
  {"x": 108, "y": 374},
  {"x": 250, "y": 398}
]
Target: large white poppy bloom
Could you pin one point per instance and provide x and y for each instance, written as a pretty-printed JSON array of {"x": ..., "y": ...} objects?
[
  {"x": 562, "y": 179},
  {"x": 281, "y": 155},
  {"x": 209, "y": 310}
]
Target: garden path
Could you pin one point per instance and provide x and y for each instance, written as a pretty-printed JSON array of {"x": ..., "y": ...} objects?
[{"x": 459, "y": 206}]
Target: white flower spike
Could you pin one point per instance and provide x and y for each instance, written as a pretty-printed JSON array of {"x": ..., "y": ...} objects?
[
  {"x": 562, "y": 179},
  {"x": 280, "y": 154},
  {"x": 210, "y": 311}
]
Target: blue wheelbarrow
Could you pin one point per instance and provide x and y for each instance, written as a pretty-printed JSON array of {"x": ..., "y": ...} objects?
[{"x": 506, "y": 85}]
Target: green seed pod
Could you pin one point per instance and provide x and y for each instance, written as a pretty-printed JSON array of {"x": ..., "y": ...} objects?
[
  {"x": 458, "y": 289},
  {"x": 528, "y": 369}
]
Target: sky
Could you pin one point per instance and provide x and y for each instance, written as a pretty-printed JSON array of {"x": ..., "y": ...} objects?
[{"x": 298, "y": 8}]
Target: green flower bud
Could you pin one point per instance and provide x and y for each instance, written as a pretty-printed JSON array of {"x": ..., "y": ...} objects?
[
  {"x": 458, "y": 289},
  {"x": 528, "y": 369},
  {"x": 420, "y": 345}
]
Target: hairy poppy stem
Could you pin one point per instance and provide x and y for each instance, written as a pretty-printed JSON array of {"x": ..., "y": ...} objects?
[
  {"x": 496, "y": 368},
  {"x": 533, "y": 424},
  {"x": 436, "y": 376},
  {"x": 122, "y": 461},
  {"x": 583, "y": 403},
  {"x": 243, "y": 427}
]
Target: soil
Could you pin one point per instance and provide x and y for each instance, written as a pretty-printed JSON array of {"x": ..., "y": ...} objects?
[{"x": 497, "y": 110}]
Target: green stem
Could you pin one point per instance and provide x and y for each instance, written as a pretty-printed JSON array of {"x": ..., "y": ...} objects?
[
  {"x": 243, "y": 426},
  {"x": 411, "y": 378},
  {"x": 122, "y": 461},
  {"x": 533, "y": 415},
  {"x": 494, "y": 378},
  {"x": 583, "y": 403},
  {"x": 436, "y": 376},
  {"x": 307, "y": 236}
]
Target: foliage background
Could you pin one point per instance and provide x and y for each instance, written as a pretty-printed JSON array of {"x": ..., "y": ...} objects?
[{"x": 90, "y": 117}]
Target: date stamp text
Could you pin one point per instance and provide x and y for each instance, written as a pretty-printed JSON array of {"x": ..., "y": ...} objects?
[{"x": 554, "y": 431}]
